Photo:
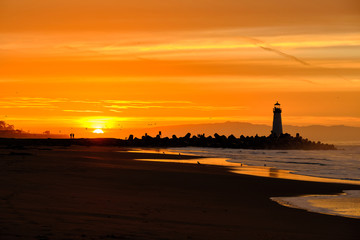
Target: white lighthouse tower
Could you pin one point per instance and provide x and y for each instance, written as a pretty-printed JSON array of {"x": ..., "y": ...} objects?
[{"x": 277, "y": 124}]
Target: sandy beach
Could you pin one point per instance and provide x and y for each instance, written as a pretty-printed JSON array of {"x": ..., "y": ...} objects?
[{"x": 103, "y": 193}]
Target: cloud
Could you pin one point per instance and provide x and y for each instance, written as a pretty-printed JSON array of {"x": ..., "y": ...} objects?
[
  {"x": 193, "y": 107},
  {"x": 179, "y": 15},
  {"x": 10, "y": 80},
  {"x": 85, "y": 101},
  {"x": 31, "y": 102},
  {"x": 82, "y": 111},
  {"x": 143, "y": 102},
  {"x": 114, "y": 110}
]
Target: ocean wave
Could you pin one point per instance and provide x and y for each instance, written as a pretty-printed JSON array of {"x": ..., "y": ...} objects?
[
  {"x": 309, "y": 158},
  {"x": 292, "y": 162}
]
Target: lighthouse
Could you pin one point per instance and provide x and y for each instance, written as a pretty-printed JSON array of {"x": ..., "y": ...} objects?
[{"x": 277, "y": 124}]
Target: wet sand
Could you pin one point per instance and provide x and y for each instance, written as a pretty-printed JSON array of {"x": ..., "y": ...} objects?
[{"x": 100, "y": 193}]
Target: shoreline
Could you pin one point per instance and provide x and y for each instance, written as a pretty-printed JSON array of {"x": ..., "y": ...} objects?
[
  {"x": 283, "y": 142},
  {"x": 345, "y": 204},
  {"x": 100, "y": 193},
  {"x": 341, "y": 204},
  {"x": 240, "y": 168}
]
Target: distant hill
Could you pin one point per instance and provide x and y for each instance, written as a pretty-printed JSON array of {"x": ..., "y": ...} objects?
[
  {"x": 21, "y": 134},
  {"x": 333, "y": 134},
  {"x": 8, "y": 131},
  {"x": 338, "y": 133}
]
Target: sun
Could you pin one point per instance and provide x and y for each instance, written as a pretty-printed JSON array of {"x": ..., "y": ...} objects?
[{"x": 98, "y": 130}]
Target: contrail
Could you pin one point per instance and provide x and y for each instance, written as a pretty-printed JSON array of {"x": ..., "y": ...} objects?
[
  {"x": 267, "y": 47},
  {"x": 285, "y": 55}
]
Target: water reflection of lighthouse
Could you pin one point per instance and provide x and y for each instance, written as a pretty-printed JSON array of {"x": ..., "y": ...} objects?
[{"x": 277, "y": 124}]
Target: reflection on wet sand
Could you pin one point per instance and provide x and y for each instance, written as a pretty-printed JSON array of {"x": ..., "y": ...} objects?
[
  {"x": 285, "y": 174},
  {"x": 273, "y": 172},
  {"x": 241, "y": 168},
  {"x": 346, "y": 205}
]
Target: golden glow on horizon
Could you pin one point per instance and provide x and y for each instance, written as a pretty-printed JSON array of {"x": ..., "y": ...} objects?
[
  {"x": 100, "y": 122},
  {"x": 98, "y": 131},
  {"x": 112, "y": 65}
]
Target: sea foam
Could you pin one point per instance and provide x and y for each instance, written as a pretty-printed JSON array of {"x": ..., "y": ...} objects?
[{"x": 346, "y": 204}]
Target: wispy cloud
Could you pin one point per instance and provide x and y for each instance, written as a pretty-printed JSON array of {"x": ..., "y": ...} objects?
[
  {"x": 193, "y": 107},
  {"x": 82, "y": 111},
  {"x": 114, "y": 110},
  {"x": 26, "y": 102},
  {"x": 85, "y": 101},
  {"x": 44, "y": 107},
  {"x": 109, "y": 46},
  {"x": 143, "y": 102}
]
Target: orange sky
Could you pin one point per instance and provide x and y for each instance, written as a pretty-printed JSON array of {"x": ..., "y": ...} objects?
[{"x": 68, "y": 65}]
